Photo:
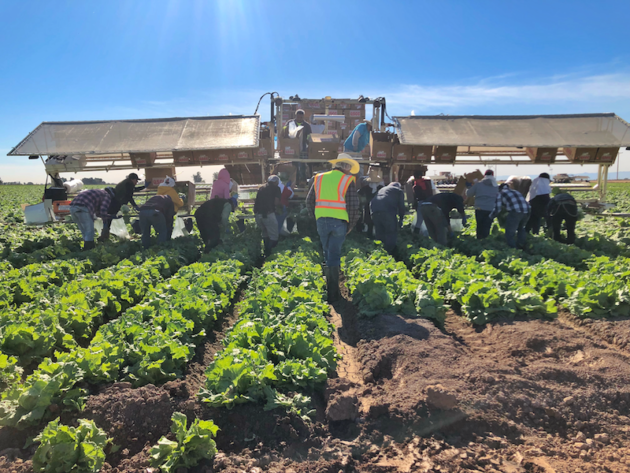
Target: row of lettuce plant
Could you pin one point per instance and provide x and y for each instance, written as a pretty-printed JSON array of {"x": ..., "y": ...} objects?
[
  {"x": 600, "y": 290},
  {"x": 28, "y": 283},
  {"x": 150, "y": 343},
  {"x": 282, "y": 343},
  {"x": 65, "y": 316},
  {"x": 478, "y": 290},
  {"x": 381, "y": 285}
]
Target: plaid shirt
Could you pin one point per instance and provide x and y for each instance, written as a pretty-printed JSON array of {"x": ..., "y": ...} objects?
[
  {"x": 352, "y": 203},
  {"x": 512, "y": 200},
  {"x": 96, "y": 200}
]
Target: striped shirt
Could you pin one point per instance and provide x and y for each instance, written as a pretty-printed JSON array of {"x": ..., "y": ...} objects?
[
  {"x": 512, "y": 200},
  {"x": 97, "y": 201}
]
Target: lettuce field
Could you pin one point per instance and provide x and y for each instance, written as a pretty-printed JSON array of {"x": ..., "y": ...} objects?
[{"x": 472, "y": 358}]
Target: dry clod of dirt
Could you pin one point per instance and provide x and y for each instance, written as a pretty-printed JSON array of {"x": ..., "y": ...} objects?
[
  {"x": 343, "y": 407},
  {"x": 440, "y": 398}
]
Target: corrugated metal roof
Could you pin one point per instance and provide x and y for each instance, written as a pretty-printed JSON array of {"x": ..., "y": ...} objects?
[
  {"x": 553, "y": 131},
  {"x": 127, "y": 136}
]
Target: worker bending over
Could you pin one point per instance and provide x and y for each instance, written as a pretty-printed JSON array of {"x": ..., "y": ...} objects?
[
  {"x": 517, "y": 215},
  {"x": 388, "y": 210},
  {"x": 89, "y": 205},
  {"x": 333, "y": 201},
  {"x": 359, "y": 138},
  {"x": 125, "y": 189},
  {"x": 267, "y": 200},
  {"x": 563, "y": 208},
  {"x": 158, "y": 213},
  {"x": 436, "y": 212},
  {"x": 208, "y": 217},
  {"x": 167, "y": 187}
]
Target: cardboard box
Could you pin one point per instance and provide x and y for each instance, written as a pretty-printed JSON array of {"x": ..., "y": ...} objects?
[
  {"x": 221, "y": 156},
  {"x": 352, "y": 113},
  {"x": 542, "y": 155},
  {"x": 182, "y": 158},
  {"x": 265, "y": 149},
  {"x": 155, "y": 176},
  {"x": 607, "y": 155},
  {"x": 143, "y": 160},
  {"x": 289, "y": 170},
  {"x": 580, "y": 155},
  {"x": 381, "y": 146},
  {"x": 445, "y": 154},
  {"x": 289, "y": 147},
  {"x": 422, "y": 153},
  {"x": 323, "y": 146},
  {"x": 402, "y": 152},
  {"x": 203, "y": 156}
]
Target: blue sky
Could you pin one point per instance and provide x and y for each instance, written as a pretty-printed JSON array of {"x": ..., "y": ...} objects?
[{"x": 142, "y": 59}]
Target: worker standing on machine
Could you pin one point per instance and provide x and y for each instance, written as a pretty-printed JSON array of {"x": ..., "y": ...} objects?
[
  {"x": 359, "y": 138},
  {"x": 333, "y": 201},
  {"x": 304, "y": 133},
  {"x": 126, "y": 188},
  {"x": 89, "y": 205}
]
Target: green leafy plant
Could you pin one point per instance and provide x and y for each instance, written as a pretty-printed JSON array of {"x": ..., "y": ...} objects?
[
  {"x": 191, "y": 445},
  {"x": 70, "y": 449}
]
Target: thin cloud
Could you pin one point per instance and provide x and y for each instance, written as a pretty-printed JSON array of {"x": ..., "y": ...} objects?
[{"x": 492, "y": 91}]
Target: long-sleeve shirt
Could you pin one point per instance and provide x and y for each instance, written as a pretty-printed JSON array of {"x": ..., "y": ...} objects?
[
  {"x": 163, "y": 204},
  {"x": 169, "y": 191},
  {"x": 390, "y": 199},
  {"x": 512, "y": 200},
  {"x": 124, "y": 191},
  {"x": 352, "y": 203},
  {"x": 97, "y": 201},
  {"x": 485, "y": 194},
  {"x": 448, "y": 201}
]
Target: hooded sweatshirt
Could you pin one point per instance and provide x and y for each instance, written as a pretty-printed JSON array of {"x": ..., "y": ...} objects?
[
  {"x": 167, "y": 188},
  {"x": 221, "y": 187},
  {"x": 485, "y": 193},
  {"x": 390, "y": 199}
]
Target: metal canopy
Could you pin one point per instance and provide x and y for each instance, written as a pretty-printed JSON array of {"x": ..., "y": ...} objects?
[
  {"x": 600, "y": 130},
  {"x": 137, "y": 136}
]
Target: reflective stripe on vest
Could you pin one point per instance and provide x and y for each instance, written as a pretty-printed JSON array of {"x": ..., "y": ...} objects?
[{"x": 330, "y": 192}]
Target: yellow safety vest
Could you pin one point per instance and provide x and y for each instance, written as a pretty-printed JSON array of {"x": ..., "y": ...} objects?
[{"x": 330, "y": 194}]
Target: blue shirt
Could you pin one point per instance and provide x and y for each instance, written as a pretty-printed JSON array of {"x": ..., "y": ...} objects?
[{"x": 364, "y": 139}]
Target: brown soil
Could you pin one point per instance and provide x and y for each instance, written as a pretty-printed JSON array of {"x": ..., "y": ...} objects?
[{"x": 514, "y": 396}]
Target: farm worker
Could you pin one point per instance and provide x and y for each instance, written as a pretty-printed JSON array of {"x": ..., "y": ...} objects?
[
  {"x": 485, "y": 194},
  {"x": 167, "y": 187},
  {"x": 359, "y": 138},
  {"x": 521, "y": 184},
  {"x": 157, "y": 212},
  {"x": 436, "y": 212},
  {"x": 563, "y": 208},
  {"x": 538, "y": 199},
  {"x": 517, "y": 215},
  {"x": 125, "y": 189},
  {"x": 423, "y": 189},
  {"x": 87, "y": 206},
  {"x": 267, "y": 199},
  {"x": 387, "y": 204},
  {"x": 297, "y": 122},
  {"x": 370, "y": 185},
  {"x": 286, "y": 195},
  {"x": 333, "y": 200},
  {"x": 221, "y": 188},
  {"x": 208, "y": 217}
]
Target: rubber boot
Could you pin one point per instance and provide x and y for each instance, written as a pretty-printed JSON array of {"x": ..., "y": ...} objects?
[
  {"x": 334, "y": 294},
  {"x": 88, "y": 245}
]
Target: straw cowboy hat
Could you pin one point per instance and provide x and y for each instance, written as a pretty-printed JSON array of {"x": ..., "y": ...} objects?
[{"x": 345, "y": 158}]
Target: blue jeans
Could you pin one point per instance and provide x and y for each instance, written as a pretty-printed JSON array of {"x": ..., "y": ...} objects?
[
  {"x": 84, "y": 220},
  {"x": 484, "y": 223},
  {"x": 515, "y": 226},
  {"x": 281, "y": 217},
  {"x": 152, "y": 218},
  {"x": 386, "y": 226},
  {"x": 332, "y": 233}
]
